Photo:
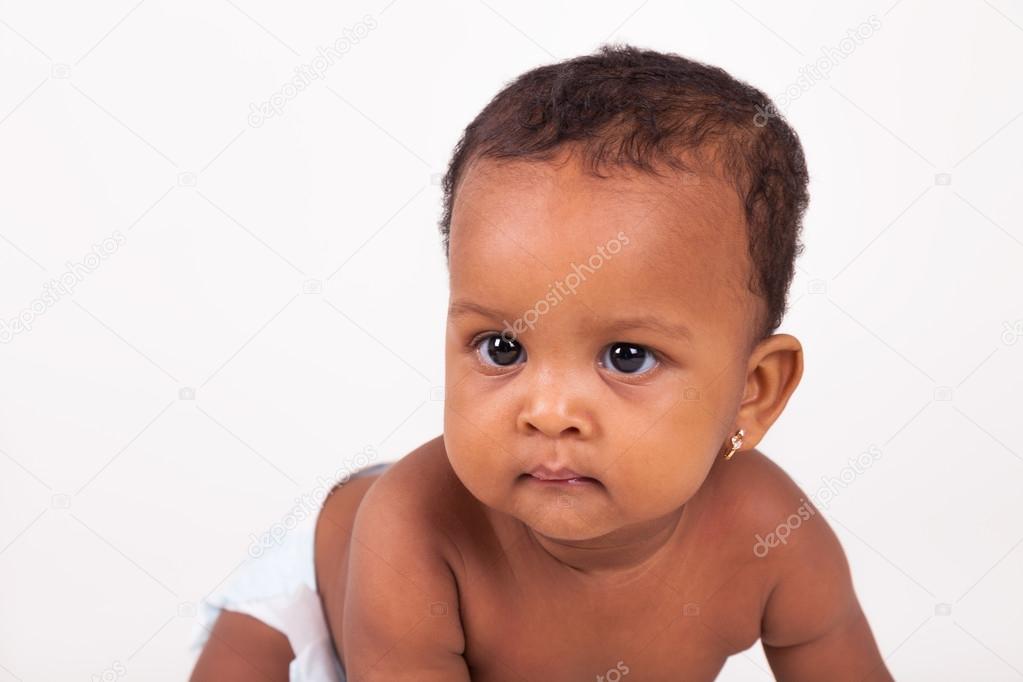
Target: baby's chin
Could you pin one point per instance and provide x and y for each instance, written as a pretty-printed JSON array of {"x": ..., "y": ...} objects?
[
  {"x": 581, "y": 514},
  {"x": 570, "y": 511},
  {"x": 566, "y": 512}
]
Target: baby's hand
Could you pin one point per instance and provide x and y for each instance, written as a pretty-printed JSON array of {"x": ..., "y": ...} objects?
[{"x": 401, "y": 614}]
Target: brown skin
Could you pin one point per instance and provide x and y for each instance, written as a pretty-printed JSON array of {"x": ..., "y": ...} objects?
[
  {"x": 241, "y": 647},
  {"x": 461, "y": 566}
]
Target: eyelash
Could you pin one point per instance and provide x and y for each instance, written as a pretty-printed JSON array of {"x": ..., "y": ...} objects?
[{"x": 658, "y": 358}]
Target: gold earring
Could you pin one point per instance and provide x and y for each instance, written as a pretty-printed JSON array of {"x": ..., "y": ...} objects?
[{"x": 736, "y": 443}]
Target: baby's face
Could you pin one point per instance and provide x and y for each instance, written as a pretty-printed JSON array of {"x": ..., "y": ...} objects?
[{"x": 597, "y": 325}]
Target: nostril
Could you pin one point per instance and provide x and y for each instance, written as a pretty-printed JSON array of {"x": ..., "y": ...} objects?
[
  {"x": 553, "y": 423},
  {"x": 567, "y": 431}
]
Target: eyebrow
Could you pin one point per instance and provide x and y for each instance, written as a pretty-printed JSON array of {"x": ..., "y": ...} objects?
[
  {"x": 653, "y": 323},
  {"x": 462, "y": 307},
  {"x": 656, "y": 324}
]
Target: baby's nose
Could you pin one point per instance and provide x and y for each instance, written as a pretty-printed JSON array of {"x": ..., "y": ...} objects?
[{"x": 555, "y": 408}]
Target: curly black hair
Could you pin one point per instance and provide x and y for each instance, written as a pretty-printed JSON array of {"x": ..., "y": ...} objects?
[{"x": 626, "y": 106}]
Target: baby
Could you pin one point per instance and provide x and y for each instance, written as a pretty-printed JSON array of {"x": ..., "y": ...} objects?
[{"x": 621, "y": 230}]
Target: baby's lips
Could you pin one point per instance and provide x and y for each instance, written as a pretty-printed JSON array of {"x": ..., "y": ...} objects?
[{"x": 556, "y": 473}]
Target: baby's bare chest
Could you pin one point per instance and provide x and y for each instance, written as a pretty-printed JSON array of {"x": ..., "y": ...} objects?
[{"x": 662, "y": 626}]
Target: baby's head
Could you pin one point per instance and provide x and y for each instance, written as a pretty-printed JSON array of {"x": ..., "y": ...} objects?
[{"x": 621, "y": 231}]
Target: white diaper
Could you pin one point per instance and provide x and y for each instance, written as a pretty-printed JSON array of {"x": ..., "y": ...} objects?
[{"x": 279, "y": 588}]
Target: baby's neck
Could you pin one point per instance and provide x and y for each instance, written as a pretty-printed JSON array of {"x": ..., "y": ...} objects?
[{"x": 619, "y": 556}]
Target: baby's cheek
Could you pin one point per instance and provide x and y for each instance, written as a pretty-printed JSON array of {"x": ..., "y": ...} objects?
[
  {"x": 643, "y": 490},
  {"x": 697, "y": 422},
  {"x": 475, "y": 458},
  {"x": 668, "y": 463}
]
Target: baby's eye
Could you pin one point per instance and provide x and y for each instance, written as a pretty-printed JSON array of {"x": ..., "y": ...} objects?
[
  {"x": 499, "y": 350},
  {"x": 628, "y": 358}
]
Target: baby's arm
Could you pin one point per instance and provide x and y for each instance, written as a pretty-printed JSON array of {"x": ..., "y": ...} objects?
[
  {"x": 813, "y": 627},
  {"x": 241, "y": 647},
  {"x": 401, "y": 617}
]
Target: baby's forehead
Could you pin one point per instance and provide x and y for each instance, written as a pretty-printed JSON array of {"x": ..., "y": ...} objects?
[
  {"x": 554, "y": 214},
  {"x": 635, "y": 239}
]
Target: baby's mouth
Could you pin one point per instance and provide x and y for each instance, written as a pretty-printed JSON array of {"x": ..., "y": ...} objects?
[
  {"x": 560, "y": 476},
  {"x": 581, "y": 480}
]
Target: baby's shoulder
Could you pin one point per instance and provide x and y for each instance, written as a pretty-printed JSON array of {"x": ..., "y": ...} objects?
[
  {"x": 778, "y": 527},
  {"x": 420, "y": 495},
  {"x": 423, "y": 479},
  {"x": 401, "y": 571},
  {"x": 752, "y": 491},
  {"x": 771, "y": 519},
  {"x": 751, "y": 514}
]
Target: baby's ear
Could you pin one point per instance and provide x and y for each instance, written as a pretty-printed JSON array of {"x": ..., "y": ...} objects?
[{"x": 774, "y": 370}]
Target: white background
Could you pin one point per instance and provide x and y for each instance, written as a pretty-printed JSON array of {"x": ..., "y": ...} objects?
[{"x": 122, "y": 505}]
